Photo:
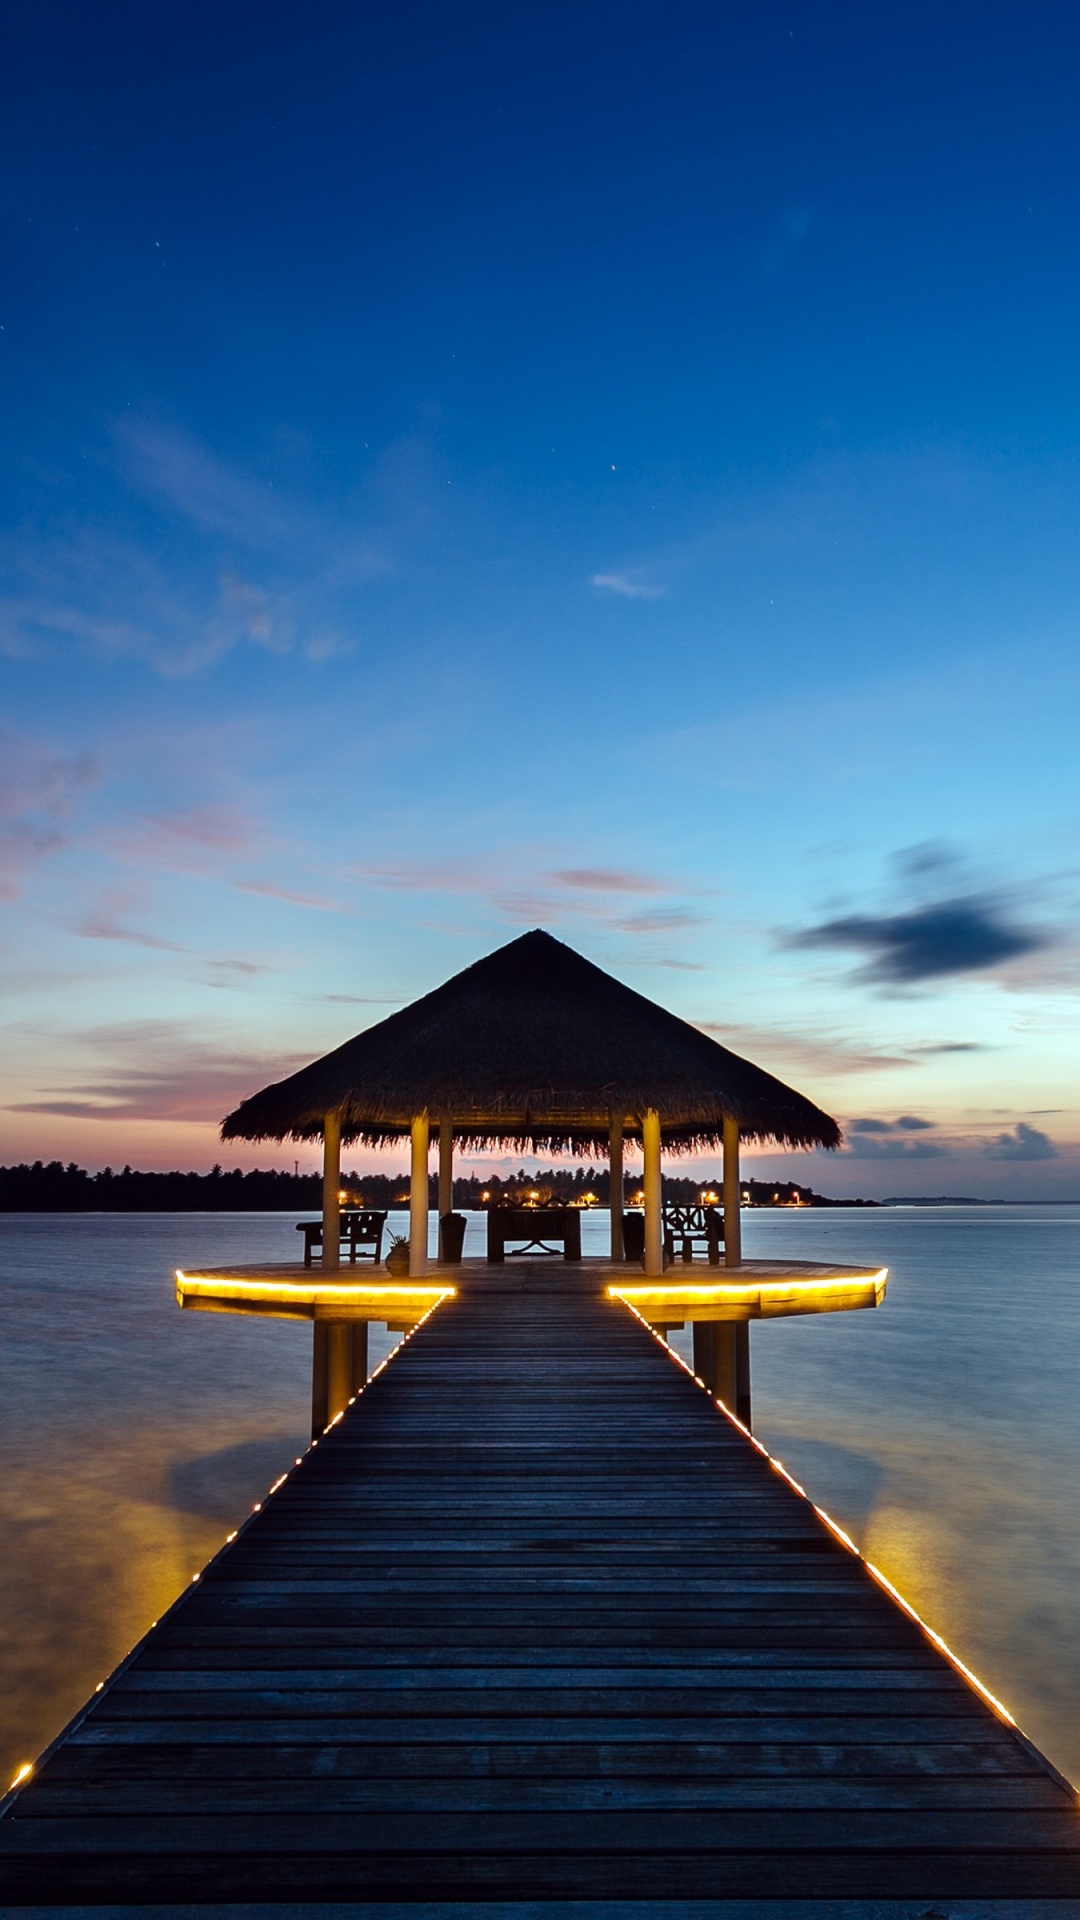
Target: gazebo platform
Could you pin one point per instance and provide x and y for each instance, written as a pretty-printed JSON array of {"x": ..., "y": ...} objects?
[
  {"x": 719, "y": 1302},
  {"x": 534, "y": 1632},
  {"x": 755, "y": 1289}
]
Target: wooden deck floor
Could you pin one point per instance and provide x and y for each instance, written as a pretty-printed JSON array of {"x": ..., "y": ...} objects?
[{"x": 536, "y": 1630}]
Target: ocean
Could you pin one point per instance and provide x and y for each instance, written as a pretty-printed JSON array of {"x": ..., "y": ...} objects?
[{"x": 942, "y": 1430}]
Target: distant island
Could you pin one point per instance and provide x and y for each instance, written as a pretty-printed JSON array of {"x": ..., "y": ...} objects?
[
  {"x": 54, "y": 1188},
  {"x": 942, "y": 1200}
]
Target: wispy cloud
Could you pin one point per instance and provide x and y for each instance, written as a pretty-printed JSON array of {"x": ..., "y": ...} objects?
[
  {"x": 787, "y": 1050},
  {"x": 951, "y": 1046},
  {"x": 100, "y": 927},
  {"x": 905, "y": 1123},
  {"x": 39, "y": 792},
  {"x": 357, "y": 999},
  {"x": 609, "y": 880},
  {"x": 626, "y": 586},
  {"x": 271, "y": 890},
  {"x": 247, "y": 969},
  {"x": 555, "y": 895},
  {"x": 659, "y": 920},
  {"x": 216, "y": 497},
  {"x": 231, "y": 562},
  {"x": 109, "y": 595},
  {"x": 160, "y": 1070},
  {"x": 200, "y": 840}
]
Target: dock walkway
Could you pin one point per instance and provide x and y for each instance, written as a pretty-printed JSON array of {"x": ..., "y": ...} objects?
[{"x": 536, "y": 1629}]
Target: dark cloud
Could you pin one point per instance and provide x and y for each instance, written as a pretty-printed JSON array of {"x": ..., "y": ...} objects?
[
  {"x": 930, "y": 856},
  {"x": 970, "y": 934},
  {"x": 891, "y": 1146},
  {"x": 953, "y": 1046},
  {"x": 1026, "y": 1143},
  {"x": 867, "y": 1137}
]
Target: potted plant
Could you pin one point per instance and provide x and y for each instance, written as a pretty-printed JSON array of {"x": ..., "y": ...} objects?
[{"x": 397, "y": 1256}]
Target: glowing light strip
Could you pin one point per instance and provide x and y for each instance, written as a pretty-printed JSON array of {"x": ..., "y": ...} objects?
[
  {"x": 837, "y": 1293},
  {"x": 706, "y": 1290},
  {"x": 201, "y": 1286},
  {"x": 846, "y": 1541}
]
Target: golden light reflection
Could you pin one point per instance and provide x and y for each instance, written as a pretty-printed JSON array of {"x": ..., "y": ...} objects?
[{"x": 157, "y": 1546}]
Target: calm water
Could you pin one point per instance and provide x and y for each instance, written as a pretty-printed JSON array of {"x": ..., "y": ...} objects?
[{"x": 943, "y": 1431}]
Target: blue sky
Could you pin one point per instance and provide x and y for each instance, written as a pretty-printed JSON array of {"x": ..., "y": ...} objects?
[{"x": 607, "y": 467}]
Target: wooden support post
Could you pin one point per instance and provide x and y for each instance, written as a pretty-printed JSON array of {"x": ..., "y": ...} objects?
[
  {"x": 725, "y": 1341},
  {"x": 616, "y": 1189},
  {"x": 703, "y": 1351},
  {"x": 446, "y": 1174},
  {"x": 742, "y": 1372},
  {"x": 732, "y": 1195},
  {"x": 320, "y": 1382},
  {"x": 331, "y": 1182},
  {"x": 338, "y": 1368},
  {"x": 722, "y": 1361},
  {"x": 419, "y": 1203},
  {"x": 654, "y": 1222}
]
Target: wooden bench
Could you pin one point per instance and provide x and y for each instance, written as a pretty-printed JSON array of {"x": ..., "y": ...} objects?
[
  {"x": 535, "y": 1226},
  {"x": 687, "y": 1227},
  {"x": 361, "y": 1232}
]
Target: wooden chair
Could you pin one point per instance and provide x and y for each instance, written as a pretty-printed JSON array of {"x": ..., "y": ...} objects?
[
  {"x": 361, "y": 1231},
  {"x": 688, "y": 1227}
]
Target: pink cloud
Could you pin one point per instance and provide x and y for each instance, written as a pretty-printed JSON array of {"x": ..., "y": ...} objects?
[
  {"x": 270, "y": 890},
  {"x": 609, "y": 880},
  {"x": 192, "y": 840},
  {"x": 782, "y": 1050},
  {"x": 554, "y": 895},
  {"x": 157, "y": 1070}
]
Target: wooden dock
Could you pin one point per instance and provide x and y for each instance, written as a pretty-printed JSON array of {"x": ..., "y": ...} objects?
[{"x": 536, "y": 1629}]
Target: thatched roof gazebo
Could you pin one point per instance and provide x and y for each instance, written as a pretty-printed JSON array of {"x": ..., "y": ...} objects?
[{"x": 534, "y": 1047}]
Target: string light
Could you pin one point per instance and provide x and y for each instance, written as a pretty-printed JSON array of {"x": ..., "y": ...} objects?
[
  {"x": 265, "y": 1290},
  {"x": 24, "y": 1773},
  {"x": 845, "y": 1540}
]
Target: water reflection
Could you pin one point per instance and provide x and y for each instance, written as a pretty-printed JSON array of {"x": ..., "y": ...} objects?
[{"x": 942, "y": 1431}]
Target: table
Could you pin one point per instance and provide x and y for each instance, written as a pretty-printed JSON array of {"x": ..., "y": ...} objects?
[{"x": 535, "y": 1226}]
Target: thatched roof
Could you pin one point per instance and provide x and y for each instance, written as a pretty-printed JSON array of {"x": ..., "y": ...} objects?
[{"x": 533, "y": 1047}]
